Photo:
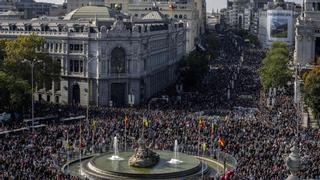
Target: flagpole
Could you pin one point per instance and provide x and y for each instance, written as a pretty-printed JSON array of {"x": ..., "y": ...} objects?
[
  {"x": 80, "y": 146},
  {"x": 212, "y": 135},
  {"x": 125, "y": 137},
  {"x": 68, "y": 151},
  {"x": 198, "y": 139},
  {"x": 93, "y": 133}
]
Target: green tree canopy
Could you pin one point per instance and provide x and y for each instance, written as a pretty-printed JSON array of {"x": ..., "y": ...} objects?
[
  {"x": 312, "y": 90},
  {"x": 195, "y": 67},
  {"x": 30, "y": 48},
  {"x": 274, "y": 72},
  {"x": 16, "y": 72},
  {"x": 14, "y": 92}
]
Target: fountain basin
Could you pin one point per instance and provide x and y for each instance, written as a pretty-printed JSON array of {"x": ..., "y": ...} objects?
[{"x": 101, "y": 167}]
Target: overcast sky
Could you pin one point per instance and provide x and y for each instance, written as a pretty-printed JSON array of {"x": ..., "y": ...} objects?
[{"x": 211, "y": 4}]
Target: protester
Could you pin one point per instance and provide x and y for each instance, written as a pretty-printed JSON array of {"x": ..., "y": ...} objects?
[{"x": 259, "y": 138}]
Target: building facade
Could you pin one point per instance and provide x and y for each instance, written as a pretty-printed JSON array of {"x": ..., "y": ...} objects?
[
  {"x": 277, "y": 23},
  {"x": 31, "y": 9},
  {"x": 307, "y": 34},
  {"x": 106, "y": 56},
  {"x": 191, "y": 12}
]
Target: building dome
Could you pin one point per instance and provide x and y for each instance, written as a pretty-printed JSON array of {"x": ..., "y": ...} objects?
[{"x": 92, "y": 12}]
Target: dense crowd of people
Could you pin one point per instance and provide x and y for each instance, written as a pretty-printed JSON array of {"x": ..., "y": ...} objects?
[{"x": 258, "y": 137}]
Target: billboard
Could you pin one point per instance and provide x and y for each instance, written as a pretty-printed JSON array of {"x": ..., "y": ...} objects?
[{"x": 280, "y": 26}]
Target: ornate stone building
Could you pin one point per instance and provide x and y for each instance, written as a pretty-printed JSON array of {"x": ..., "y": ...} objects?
[
  {"x": 307, "y": 37},
  {"x": 191, "y": 12},
  {"x": 106, "y": 56}
]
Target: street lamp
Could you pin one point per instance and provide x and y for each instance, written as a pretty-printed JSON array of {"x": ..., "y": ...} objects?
[
  {"x": 88, "y": 88},
  {"x": 32, "y": 64}
]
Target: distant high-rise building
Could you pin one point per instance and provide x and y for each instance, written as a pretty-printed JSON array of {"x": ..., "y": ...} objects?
[
  {"x": 277, "y": 23},
  {"x": 30, "y": 8}
]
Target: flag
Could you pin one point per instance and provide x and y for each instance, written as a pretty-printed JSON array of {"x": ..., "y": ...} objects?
[
  {"x": 221, "y": 143},
  {"x": 201, "y": 123},
  {"x": 204, "y": 146},
  {"x": 67, "y": 145},
  {"x": 93, "y": 126},
  {"x": 212, "y": 128},
  {"x": 158, "y": 119},
  {"x": 146, "y": 122},
  {"x": 126, "y": 121}
]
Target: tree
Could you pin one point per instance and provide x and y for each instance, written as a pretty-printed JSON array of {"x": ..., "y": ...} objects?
[
  {"x": 194, "y": 66},
  {"x": 2, "y": 49},
  {"x": 14, "y": 92},
  {"x": 16, "y": 74},
  {"x": 213, "y": 41},
  {"x": 29, "y": 48},
  {"x": 312, "y": 90},
  {"x": 274, "y": 72}
]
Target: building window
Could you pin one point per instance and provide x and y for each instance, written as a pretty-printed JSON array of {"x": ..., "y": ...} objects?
[
  {"x": 76, "y": 48},
  {"x": 48, "y": 98},
  {"x": 81, "y": 66},
  {"x": 180, "y": 16},
  {"x": 118, "y": 60},
  {"x": 175, "y": 16},
  {"x": 76, "y": 66},
  {"x": 71, "y": 65},
  {"x": 57, "y": 99}
]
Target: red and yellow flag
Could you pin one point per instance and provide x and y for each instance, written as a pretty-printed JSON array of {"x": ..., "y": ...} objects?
[
  {"x": 221, "y": 143},
  {"x": 201, "y": 123},
  {"x": 126, "y": 121}
]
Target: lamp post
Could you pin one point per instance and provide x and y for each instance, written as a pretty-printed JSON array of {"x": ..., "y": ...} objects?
[
  {"x": 32, "y": 64},
  {"x": 88, "y": 88},
  {"x": 88, "y": 91}
]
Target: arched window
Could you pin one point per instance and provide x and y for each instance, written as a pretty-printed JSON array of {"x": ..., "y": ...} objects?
[
  {"x": 180, "y": 16},
  {"x": 118, "y": 63}
]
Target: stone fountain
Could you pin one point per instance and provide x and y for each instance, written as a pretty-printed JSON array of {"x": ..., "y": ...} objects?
[
  {"x": 142, "y": 163},
  {"x": 143, "y": 156}
]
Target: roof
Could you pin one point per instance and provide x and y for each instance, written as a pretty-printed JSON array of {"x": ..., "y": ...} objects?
[
  {"x": 91, "y": 12},
  {"x": 154, "y": 15}
]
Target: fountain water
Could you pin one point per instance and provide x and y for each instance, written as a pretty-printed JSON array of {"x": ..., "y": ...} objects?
[
  {"x": 175, "y": 159},
  {"x": 115, "y": 156}
]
